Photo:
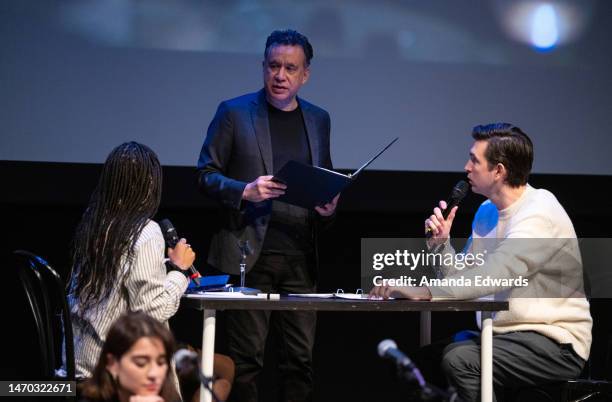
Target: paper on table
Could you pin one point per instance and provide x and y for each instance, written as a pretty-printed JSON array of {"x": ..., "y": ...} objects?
[
  {"x": 226, "y": 295},
  {"x": 352, "y": 296},
  {"x": 338, "y": 295}
]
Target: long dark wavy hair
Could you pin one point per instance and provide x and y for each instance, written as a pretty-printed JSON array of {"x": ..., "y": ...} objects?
[
  {"x": 124, "y": 333},
  {"x": 126, "y": 197}
]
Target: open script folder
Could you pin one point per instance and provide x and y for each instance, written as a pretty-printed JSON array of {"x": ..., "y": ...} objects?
[
  {"x": 310, "y": 186},
  {"x": 358, "y": 295}
]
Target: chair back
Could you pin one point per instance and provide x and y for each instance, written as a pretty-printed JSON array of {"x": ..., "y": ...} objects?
[{"x": 46, "y": 297}]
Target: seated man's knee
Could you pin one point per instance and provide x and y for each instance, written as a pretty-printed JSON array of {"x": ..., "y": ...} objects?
[{"x": 460, "y": 359}]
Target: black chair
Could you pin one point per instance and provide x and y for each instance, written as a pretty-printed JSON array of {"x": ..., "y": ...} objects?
[
  {"x": 583, "y": 389},
  {"x": 587, "y": 391},
  {"x": 46, "y": 297}
]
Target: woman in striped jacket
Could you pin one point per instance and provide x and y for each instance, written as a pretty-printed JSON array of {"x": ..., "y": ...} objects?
[{"x": 118, "y": 259}]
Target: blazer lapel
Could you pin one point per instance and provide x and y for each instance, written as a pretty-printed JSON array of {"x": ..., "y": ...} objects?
[
  {"x": 311, "y": 132},
  {"x": 259, "y": 114}
]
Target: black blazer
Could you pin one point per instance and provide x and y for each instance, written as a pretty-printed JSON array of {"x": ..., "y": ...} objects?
[{"x": 236, "y": 151}]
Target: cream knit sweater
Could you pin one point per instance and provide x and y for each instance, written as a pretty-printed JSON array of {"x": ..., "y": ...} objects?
[{"x": 533, "y": 239}]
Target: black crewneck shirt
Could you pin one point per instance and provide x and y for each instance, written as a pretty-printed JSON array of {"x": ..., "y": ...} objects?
[{"x": 289, "y": 231}]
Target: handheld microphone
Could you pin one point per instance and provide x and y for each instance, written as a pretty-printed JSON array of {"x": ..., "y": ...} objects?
[
  {"x": 186, "y": 360},
  {"x": 457, "y": 195},
  {"x": 387, "y": 349},
  {"x": 172, "y": 238},
  {"x": 408, "y": 370}
]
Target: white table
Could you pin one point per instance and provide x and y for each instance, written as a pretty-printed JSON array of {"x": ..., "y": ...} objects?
[{"x": 209, "y": 306}]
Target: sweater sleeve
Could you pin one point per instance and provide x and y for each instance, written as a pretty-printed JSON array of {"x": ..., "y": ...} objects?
[
  {"x": 150, "y": 289},
  {"x": 446, "y": 249},
  {"x": 524, "y": 251}
]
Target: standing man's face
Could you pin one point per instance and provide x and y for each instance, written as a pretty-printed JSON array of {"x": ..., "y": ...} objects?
[{"x": 284, "y": 72}]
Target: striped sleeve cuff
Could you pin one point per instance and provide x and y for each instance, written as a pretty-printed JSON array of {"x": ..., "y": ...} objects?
[{"x": 176, "y": 282}]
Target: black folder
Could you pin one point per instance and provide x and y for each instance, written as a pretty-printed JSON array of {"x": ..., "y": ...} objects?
[{"x": 310, "y": 186}]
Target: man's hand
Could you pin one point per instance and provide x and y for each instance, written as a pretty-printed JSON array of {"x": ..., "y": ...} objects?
[
  {"x": 263, "y": 188},
  {"x": 329, "y": 208},
  {"x": 438, "y": 226},
  {"x": 182, "y": 255},
  {"x": 401, "y": 292}
]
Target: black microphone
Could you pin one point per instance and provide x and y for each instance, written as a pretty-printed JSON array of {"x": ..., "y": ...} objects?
[
  {"x": 186, "y": 360},
  {"x": 172, "y": 239},
  {"x": 187, "y": 365},
  {"x": 387, "y": 349},
  {"x": 457, "y": 195}
]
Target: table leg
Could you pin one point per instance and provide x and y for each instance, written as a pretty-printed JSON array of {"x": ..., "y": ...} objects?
[
  {"x": 208, "y": 351},
  {"x": 425, "y": 328},
  {"x": 486, "y": 357}
]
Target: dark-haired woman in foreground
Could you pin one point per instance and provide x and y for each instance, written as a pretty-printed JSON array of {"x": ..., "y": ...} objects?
[{"x": 134, "y": 365}]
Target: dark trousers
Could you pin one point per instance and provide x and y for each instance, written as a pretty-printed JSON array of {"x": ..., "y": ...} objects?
[
  {"x": 520, "y": 359},
  {"x": 247, "y": 330}
]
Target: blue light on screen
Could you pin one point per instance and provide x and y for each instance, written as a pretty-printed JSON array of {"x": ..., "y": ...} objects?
[{"x": 544, "y": 27}]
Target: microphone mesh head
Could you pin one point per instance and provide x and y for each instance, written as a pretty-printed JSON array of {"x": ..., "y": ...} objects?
[
  {"x": 184, "y": 357},
  {"x": 460, "y": 190},
  {"x": 385, "y": 345},
  {"x": 169, "y": 232}
]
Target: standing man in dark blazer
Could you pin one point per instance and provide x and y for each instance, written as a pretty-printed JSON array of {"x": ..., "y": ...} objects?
[{"x": 249, "y": 139}]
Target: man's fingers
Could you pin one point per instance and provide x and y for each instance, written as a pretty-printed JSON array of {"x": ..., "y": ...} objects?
[
  {"x": 436, "y": 221},
  {"x": 270, "y": 185},
  {"x": 322, "y": 211},
  {"x": 266, "y": 181},
  {"x": 274, "y": 184},
  {"x": 377, "y": 291},
  {"x": 438, "y": 214},
  {"x": 272, "y": 194},
  {"x": 429, "y": 225}
]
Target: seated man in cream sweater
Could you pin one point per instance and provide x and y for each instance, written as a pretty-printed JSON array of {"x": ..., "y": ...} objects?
[{"x": 545, "y": 336}]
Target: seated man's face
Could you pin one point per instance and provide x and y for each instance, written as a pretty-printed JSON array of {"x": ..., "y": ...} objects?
[
  {"x": 480, "y": 176},
  {"x": 285, "y": 72}
]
